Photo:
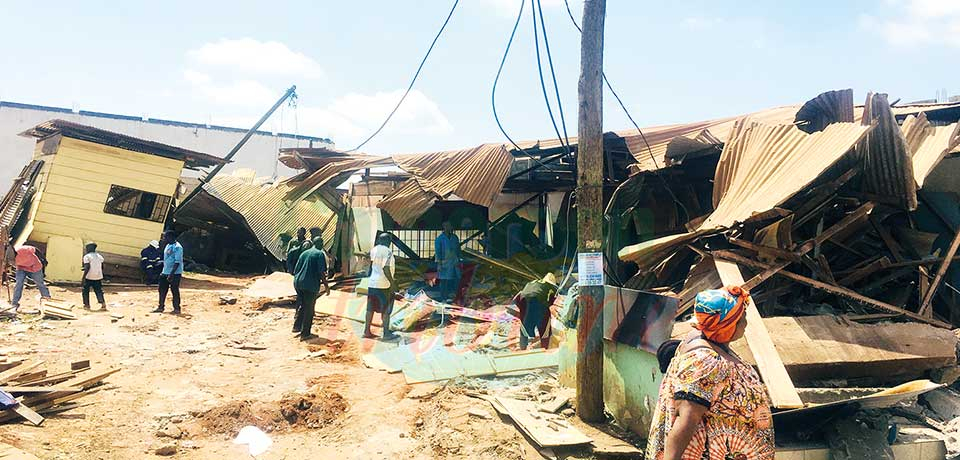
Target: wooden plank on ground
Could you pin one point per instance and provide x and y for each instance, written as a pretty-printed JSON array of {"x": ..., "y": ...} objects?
[
  {"x": 606, "y": 445},
  {"x": 38, "y": 389},
  {"x": 546, "y": 430},
  {"x": 15, "y": 372},
  {"x": 564, "y": 395},
  {"x": 783, "y": 395},
  {"x": 28, "y": 414}
]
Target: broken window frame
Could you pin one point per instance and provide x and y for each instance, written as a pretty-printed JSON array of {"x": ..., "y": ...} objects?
[{"x": 134, "y": 203}]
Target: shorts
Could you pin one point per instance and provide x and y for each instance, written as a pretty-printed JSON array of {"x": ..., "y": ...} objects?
[{"x": 379, "y": 300}]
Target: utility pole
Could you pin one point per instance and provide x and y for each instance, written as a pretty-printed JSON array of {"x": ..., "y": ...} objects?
[{"x": 590, "y": 210}]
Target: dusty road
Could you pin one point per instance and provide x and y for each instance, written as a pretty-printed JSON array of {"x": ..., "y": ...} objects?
[{"x": 188, "y": 374}]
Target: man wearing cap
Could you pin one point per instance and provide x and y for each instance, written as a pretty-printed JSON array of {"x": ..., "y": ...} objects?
[
  {"x": 534, "y": 303},
  {"x": 151, "y": 262}
]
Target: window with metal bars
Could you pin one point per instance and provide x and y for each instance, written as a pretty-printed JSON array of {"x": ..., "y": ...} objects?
[
  {"x": 422, "y": 241},
  {"x": 138, "y": 204}
]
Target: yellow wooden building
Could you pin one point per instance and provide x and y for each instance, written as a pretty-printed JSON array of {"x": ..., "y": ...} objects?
[{"x": 100, "y": 186}]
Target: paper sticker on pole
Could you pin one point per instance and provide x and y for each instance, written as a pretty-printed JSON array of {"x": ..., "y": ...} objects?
[{"x": 590, "y": 268}]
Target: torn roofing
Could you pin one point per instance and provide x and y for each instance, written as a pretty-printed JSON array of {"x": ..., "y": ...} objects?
[
  {"x": 761, "y": 167},
  {"x": 267, "y": 213},
  {"x": 332, "y": 174},
  {"x": 476, "y": 175},
  {"x": 829, "y": 107},
  {"x": 887, "y": 164},
  {"x": 72, "y": 130},
  {"x": 928, "y": 144},
  {"x": 764, "y": 165}
]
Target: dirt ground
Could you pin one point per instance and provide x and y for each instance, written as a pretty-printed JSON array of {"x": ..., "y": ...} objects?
[{"x": 188, "y": 377}]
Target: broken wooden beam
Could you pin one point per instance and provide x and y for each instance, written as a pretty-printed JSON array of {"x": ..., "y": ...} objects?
[
  {"x": 838, "y": 227},
  {"x": 842, "y": 292},
  {"x": 783, "y": 395},
  {"x": 926, "y": 308}
]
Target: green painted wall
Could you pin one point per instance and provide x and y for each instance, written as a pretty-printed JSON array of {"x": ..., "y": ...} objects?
[{"x": 631, "y": 383}]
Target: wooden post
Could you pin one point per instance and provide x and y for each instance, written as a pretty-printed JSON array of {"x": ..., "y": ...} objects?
[{"x": 590, "y": 210}]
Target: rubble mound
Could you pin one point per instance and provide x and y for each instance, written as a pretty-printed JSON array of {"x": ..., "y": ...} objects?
[{"x": 294, "y": 411}]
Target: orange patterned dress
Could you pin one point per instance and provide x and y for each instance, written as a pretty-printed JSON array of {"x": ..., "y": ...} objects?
[{"x": 738, "y": 424}]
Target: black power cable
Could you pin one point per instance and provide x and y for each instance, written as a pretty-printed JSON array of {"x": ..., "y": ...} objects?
[
  {"x": 534, "y": 6},
  {"x": 412, "y": 81},
  {"x": 653, "y": 158},
  {"x": 493, "y": 93}
]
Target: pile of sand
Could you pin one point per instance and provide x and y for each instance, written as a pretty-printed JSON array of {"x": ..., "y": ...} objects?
[{"x": 311, "y": 410}]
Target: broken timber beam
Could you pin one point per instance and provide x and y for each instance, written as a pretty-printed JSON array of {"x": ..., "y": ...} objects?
[
  {"x": 836, "y": 290},
  {"x": 926, "y": 308},
  {"x": 836, "y": 228},
  {"x": 783, "y": 395}
]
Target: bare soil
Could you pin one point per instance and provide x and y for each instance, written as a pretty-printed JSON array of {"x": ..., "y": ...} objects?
[{"x": 197, "y": 372}]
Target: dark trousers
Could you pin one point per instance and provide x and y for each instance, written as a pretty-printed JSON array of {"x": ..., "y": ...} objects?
[
  {"x": 535, "y": 315},
  {"x": 173, "y": 285},
  {"x": 97, "y": 286},
  {"x": 307, "y": 302}
]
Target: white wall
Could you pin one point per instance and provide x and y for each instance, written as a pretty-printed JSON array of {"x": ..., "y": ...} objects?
[{"x": 259, "y": 153}]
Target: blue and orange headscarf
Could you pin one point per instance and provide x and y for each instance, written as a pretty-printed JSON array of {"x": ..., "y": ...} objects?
[{"x": 718, "y": 311}]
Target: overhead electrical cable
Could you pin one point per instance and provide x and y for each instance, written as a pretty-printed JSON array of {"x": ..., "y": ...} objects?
[
  {"x": 413, "y": 80},
  {"x": 493, "y": 93}
]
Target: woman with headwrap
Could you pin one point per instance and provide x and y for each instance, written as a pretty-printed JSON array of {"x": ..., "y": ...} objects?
[{"x": 712, "y": 405}]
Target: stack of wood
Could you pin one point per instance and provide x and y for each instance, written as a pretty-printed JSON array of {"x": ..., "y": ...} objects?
[
  {"x": 41, "y": 393},
  {"x": 57, "y": 309}
]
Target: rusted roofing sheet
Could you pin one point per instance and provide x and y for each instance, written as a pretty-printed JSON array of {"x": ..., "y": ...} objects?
[
  {"x": 314, "y": 158},
  {"x": 267, "y": 213},
  {"x": 476, "y": 175},
  {"x": 101, "y": 136},
  {"x": 327, "y": 175},
  {"x": 928, "y": 144},
  {"x": 764, "y": 165},
  {"x": 826, "y": 108},
  {"x": 887, "y": 164}
]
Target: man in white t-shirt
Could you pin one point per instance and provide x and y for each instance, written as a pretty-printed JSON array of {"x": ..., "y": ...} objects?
[
  {"x": 381, "y": 287},
  {"x": 93, "y": 276}
]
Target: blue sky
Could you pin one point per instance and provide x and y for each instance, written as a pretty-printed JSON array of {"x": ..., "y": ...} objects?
[{"x": 672, "y": 62}]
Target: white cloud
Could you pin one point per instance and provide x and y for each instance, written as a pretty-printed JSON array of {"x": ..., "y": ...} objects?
[
  {"x": 235, "y": 93},
  {"x": 249, "y": 56},
  {"x": 917, "y": 22},
  {"x": 351, "y": 117}
]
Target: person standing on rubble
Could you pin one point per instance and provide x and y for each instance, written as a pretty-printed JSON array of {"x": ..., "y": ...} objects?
[
  {"x": 29, "y": 263},
  {"x": 534, "y": 303},
  {"x": 447, "y": 254},
  {"x": 381, "y": 287},
  {"x": 711, "y": 403},
  {"x": 295, "y": 248},
  {"x": 310, "y": 271},
  {"x": 172, "y": 272}
]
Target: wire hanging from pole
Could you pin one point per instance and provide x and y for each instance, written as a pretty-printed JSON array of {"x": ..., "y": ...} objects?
[
  {"x": 413, "y": 80},
  {"x": 493, "y": 93},
  {"x": 543, "y": 86},
  {"x": 553, "y": 73},
  {"x": 616, "y": 96}
]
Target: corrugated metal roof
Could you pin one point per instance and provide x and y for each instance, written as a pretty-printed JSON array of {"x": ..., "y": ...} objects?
[
  {"x": 476, "y": 175},
  {"x": 826, "y": 108},
  {"x": 328, "y": 174},
  {"x": 266, "y": 211},
  {"x": 928, "y": 144},
  {"x": 764, "y": 165},
  {"x": 191, "y": 158},
  {"x": 887, "y": 164}
]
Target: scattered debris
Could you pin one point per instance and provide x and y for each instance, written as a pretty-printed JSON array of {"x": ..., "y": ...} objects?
[{"x": 255, "y": 439}]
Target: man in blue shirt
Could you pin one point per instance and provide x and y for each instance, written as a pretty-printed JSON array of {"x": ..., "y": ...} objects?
[
  {"x": 172, "y": 272},
  {"x": 447, "y": 254}
]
